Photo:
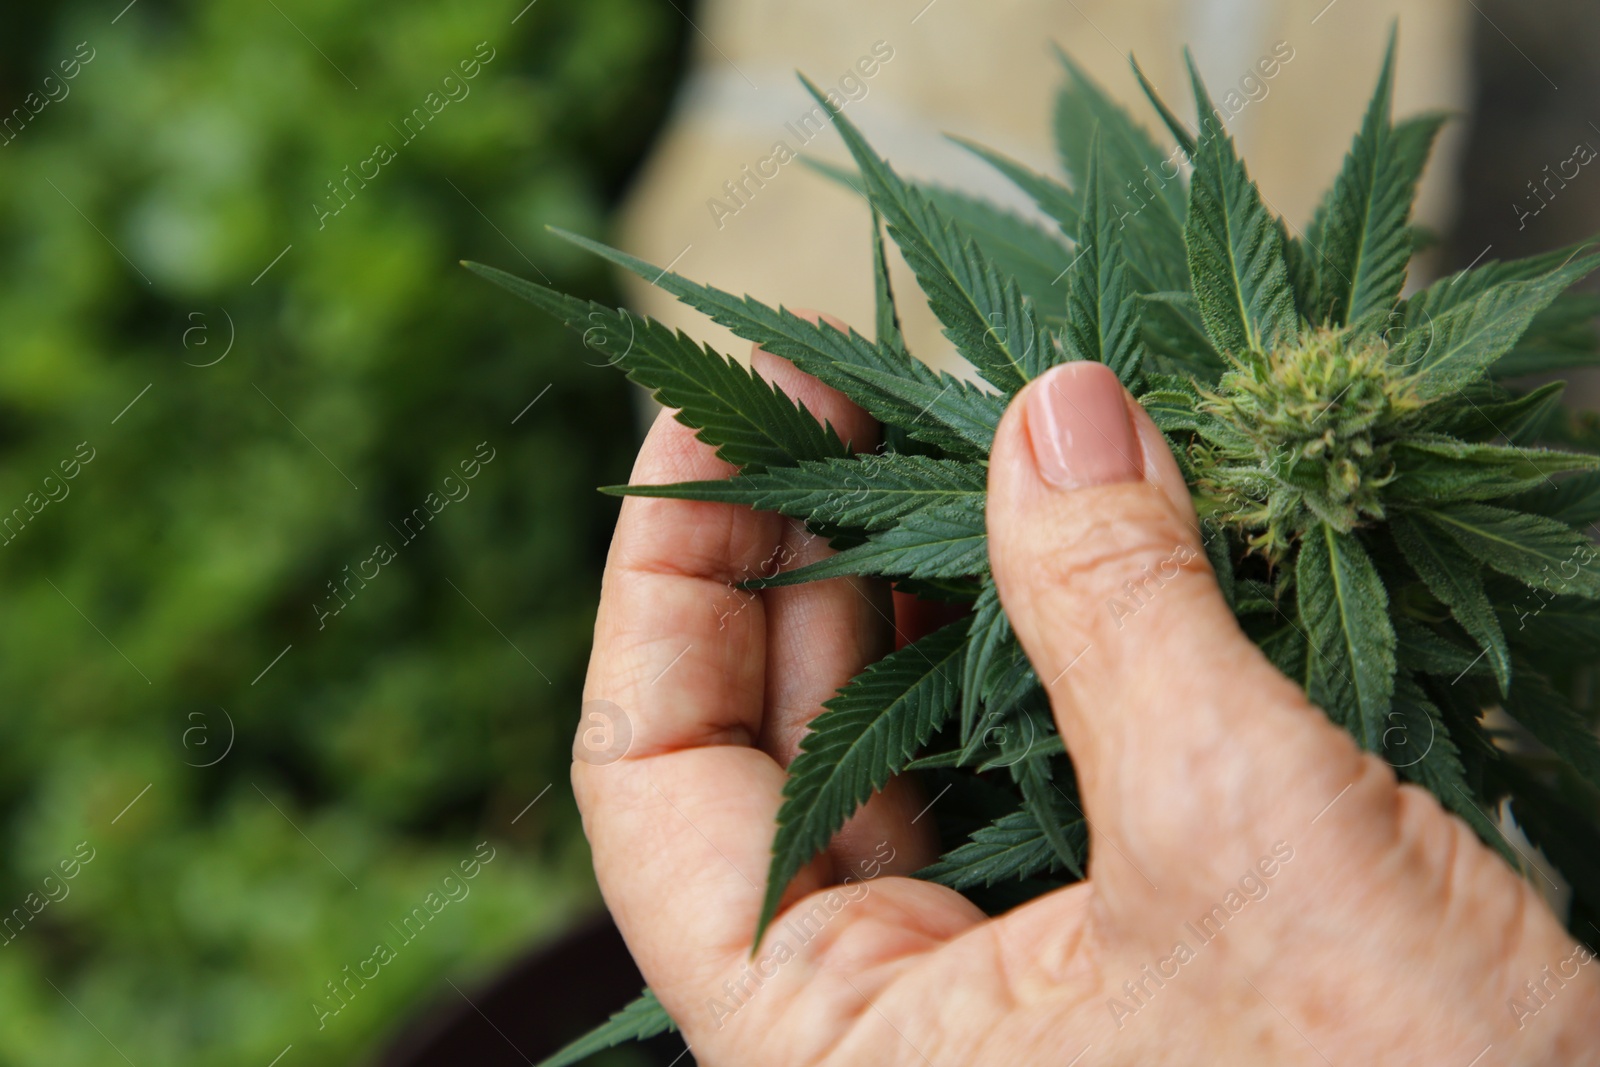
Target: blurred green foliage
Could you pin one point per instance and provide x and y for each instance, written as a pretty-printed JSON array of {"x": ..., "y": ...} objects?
[{"x": 139, "y": 213}]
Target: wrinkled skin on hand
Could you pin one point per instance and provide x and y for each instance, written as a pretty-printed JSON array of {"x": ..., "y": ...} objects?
[{"x": 1325, "y": 913}]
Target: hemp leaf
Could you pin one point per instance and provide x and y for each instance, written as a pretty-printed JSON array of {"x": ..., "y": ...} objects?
[{"x": 1400, "y": 525}]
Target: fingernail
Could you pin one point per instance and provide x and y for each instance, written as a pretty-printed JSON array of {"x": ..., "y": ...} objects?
[{"x": 1078, "y": 421}]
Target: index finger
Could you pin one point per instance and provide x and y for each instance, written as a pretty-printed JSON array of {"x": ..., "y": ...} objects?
[{"x": 680, "y": 817}]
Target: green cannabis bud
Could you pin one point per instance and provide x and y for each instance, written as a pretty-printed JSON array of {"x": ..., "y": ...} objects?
[{"x": 1303, "y": 435}]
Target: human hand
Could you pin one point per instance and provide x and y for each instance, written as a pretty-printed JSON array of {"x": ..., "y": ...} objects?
[{"x": 1260, "y": 891}]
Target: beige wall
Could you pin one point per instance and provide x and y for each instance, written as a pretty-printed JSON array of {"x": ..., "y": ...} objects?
[{"x": 985, "y": 70}]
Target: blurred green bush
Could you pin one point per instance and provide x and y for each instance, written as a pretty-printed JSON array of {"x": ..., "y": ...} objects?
[{"x": 157, "y": 211}]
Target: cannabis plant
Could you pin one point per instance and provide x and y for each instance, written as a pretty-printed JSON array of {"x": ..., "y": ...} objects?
[{"x": 1378, "y": 494}]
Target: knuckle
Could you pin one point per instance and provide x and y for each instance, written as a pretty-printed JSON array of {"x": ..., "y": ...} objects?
[
  {"x": 1448, "y": 863},
  {"x": 1364, "y": 824}
]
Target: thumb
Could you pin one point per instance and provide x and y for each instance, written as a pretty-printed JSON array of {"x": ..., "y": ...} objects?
[{"x": 1177, "y": 725}]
